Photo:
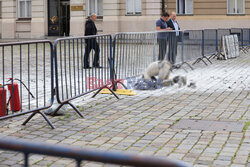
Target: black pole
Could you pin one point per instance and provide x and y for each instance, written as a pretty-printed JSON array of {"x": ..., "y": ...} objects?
[{"x": 163, "y": 6}]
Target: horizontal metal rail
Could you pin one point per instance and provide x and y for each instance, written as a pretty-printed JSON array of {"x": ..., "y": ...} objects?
[{"x": 84, "y": 155}]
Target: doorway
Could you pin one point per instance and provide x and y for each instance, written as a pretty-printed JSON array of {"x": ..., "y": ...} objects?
[{"x": 58, "y": 17}]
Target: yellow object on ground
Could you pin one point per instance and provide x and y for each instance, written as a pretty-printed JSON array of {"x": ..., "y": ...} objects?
[{"x": 119, "y": 92}]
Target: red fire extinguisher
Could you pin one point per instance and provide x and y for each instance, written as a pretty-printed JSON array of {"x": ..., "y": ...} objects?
[
  {"x": 14, "y": 99},
  {"x": 3, "y": 105}
]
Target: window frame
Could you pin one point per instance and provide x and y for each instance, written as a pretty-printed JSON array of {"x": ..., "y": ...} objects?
[
  {"x": 96, "y": 8},
  {"x": 26, "y": 11},
  {"x": 184, "y": 14},
  {"x": 134, "y": 13},
  {"x": 235, "y": 3}
]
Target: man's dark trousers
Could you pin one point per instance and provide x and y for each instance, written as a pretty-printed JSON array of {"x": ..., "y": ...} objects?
[
  {"x": 91, "y": 44},
  {"x": 162, "y": 48},
  {"x": 172, "y": 53}
]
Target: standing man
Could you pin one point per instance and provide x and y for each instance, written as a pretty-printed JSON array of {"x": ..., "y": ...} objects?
[
  {"x": 173, "y": 38},
  {"x": 91, "y": 43},
  {"x": 161, "y": 25}
]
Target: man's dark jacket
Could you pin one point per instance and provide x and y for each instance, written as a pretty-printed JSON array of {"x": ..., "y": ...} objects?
[
  {"x": 90, "y": 28},
  {"x": 171, "y": 25}
]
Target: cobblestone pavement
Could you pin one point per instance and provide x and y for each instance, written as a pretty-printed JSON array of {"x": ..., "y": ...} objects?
[{"x": 144, "y": 123}]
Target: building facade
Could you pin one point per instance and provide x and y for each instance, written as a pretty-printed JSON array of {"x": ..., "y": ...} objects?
[{"x": 41, "y": 18}]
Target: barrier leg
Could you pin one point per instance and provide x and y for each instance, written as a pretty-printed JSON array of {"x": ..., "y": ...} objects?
[
  {"x": 104, "y": 88},
  {"x": 198, "y": 60},
  {"x": 213, "y": 56},
  {"x": 188, "y": 65},
  {"x": 44, "y": 116},
  {"x": 60, "y": 106},
  {"x": 77, "y": 111},
  {"x": 29, "y": 118},
  {"x": 208, "y": 60},
  {"x": 47, "y": 120},
  {"x": 176, "y": 67},
  {"x": 116, "y": 83}
]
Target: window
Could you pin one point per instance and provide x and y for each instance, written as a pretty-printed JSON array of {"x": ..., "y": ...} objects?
[
  {"x": 235, "y": 7},
  {"x": 133, "y": 6},
  {"x": 95, "y": 6},
  {"x": 24, "y": 8},
  {"x": 184, "y": 7}
]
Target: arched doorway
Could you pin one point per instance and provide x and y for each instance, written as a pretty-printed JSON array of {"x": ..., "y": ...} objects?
[{"x": 58, "y": 17}]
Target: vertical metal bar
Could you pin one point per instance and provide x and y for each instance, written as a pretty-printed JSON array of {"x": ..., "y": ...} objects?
[
  {"x": 143, "y": 52},
  {"x": 61, "y": 68},
  {"x": 44, "y": 75},
  {"x": 203, "y": 42},
  {"x": 154, "y": 45},
  {"x": 78, "y": 163},
  {"x": 74, "y": 66},
  {"x": 99, "y": 72},
  {"x": 36, "y": 76},
  {"x": 90, "y": 59},
  {"x": 82, "y": 60},
  {"x": 65, "y": 68},
  {"x": 53, "y": 61},
  {"x": 182, "y": 47},
  {"x": 140, "y": 50},
  {"x": 93, "y": 60},
  {"x": 137, "y": 52},
  {"x": 216, "y": 37},
  {"x": 145, "y": 49},
  {"x": 87, "y": 72},
  {"x": 115, "y": 57},
  {"x": 100, "y": 79},
  {"x": 78, "y": 78},
  {"x": 249, "y": 36},
  {"x": 128, "y": 50},
  {"x": 21, "y": 78},
  {"x": 104, "y": 58},
  {"x": 29, "y": 74},
  {"x": 4, "y": 102},
  {"x": 12, "y": 76},
  {"x": 110, "y": 58},
  {"x": 70, "y": 81},
  {"x": 122, "y": 43},
  {"x": 26, "y": 160},
  {"x": 242, "y": 38},
  {"x": 121, "y": 64}
]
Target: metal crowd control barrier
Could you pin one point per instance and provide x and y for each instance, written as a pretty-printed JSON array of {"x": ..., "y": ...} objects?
[
  {"x": 210, "y": 43},
  {"x": 132, "y": 53},
  {"x": 28, "y": 148},
  {"x": 82, "y": 65},
  {"x": 26, "y": 79},
  {"x": 193, "y": 43},
  {"x": 245, "y": 39}
]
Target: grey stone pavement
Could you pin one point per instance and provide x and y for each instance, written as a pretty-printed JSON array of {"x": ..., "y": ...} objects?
[{"x": 146, "y": 123}]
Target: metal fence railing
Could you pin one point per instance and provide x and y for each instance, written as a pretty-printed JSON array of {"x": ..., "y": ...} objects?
[
  {"x": 26, "y": 78},
  {"x": 133, "y": 52},
  {"x": 28, "y": 148},
  {"x": 210, "y": 42},
  {"x": 82, "y": 65},
  {"x": 92, "y": 63},
  {"x": 87, "y": 64}
]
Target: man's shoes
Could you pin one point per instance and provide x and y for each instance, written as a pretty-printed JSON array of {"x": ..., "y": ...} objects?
[
  {"x": 97, "y": 66},
  {"x": 87, "y": 67}
]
